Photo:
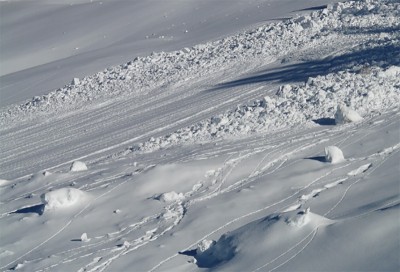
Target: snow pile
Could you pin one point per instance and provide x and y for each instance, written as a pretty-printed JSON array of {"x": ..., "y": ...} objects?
[
  {"x": 267, "y": 43},
  {"x": 345, "y": 115},
  {"x": 367, "y": 93},
  {"x": 333, "y": 154},
  {"x": 63, "y": 198},
  {"x": 77, "y": 166}
]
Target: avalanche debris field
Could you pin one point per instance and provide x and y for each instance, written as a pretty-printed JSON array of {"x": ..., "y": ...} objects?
[{"x": 232, "y": 144}]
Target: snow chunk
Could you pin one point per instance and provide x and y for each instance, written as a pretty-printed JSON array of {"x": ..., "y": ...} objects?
[
  {"x": 170, "y": 197},
  {"x": 4, "y": 182},
  {"x": 62, "y": 198},
  {"x": 333, "y": 154},
  {"x": 345, "y": 115},
  {"x": 360, "y": 170},
  {"x": 204, "y": 246},
  {"x": 77, "y": 166},
  {"x": 75, "y": 81},
  {"x": 84, "y": 237}
]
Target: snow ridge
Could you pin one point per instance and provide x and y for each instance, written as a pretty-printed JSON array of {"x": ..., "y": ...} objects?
[
  {"x": 265, "y": 42},
  {"x": 368, "y": 93}
]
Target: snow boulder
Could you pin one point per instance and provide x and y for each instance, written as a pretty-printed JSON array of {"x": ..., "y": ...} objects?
[
  {"x": 63, "y": 198},
  {"x": 333, "y": 154},
  {"x": 77, "y": 166},
  {"x": 345, "y": 115}
]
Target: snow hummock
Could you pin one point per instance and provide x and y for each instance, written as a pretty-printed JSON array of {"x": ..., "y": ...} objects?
[
  {"x": 345, "y": 115},
  {"x": 77, "y": 166},
  {"x": 63, "y": 198},
  {"x": 255, "y": 237},
  {"x": 333, "y": 154}
]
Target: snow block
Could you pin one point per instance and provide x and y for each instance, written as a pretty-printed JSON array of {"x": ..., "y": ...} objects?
[
  {"x": 345, "y": 115},
  {"x": 77, "y": 166},
  {"x": 62, "y": 198},
  {"x": 84, "y": 238},
  {"x": 75, "y": 81},
  {"x": 333, "y": 154}
]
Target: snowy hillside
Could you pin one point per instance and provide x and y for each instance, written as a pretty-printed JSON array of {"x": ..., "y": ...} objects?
[{"x": 226, "y": 141}]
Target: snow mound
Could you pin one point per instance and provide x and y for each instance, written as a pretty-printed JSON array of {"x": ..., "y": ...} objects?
[
  {"x": 77, "y": 166},
  {"x": 333, "y": 154},
  {"x": 345, "y": 115},
  {"x": 279, "y": 230},
  {"x": 63, "y": 198},
  {"x": 169, "y": 197}
]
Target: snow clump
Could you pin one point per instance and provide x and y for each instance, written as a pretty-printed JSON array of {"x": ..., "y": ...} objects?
[
  {"x": 84, "y": 238},
  {"x": 77, "y": 166},
  {"x": 169, "y": 197},
  {"x": 345, "y": 115},
  {"x": 333, "y": 154},
  {"x": 63, "y": 198}
]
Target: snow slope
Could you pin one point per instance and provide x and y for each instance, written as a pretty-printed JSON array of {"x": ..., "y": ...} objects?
[
  {"x": 46, "y": 43},
  {"x": 213, "y": 157}
]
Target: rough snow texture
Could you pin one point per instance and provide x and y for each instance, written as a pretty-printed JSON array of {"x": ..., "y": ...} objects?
[
  {"x": 368, "y": 92},
  {"x": 77, "y": 166},
  {"x": 267, "y": 42},
  {"x": 333, "y": 154},
  {"x": 345, "y": 115},
  {"x": 63, "y": 198}
]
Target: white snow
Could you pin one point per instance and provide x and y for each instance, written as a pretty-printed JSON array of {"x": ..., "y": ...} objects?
[
  {"x": 63, "y": 198},
  {"x": 333, "y": 154},
  {"x": 84, "y": 237},
  {"x": 203, "y": 124},
  {"x": 345, "y": 115},
  {"x": 170, "y": 197},
  {"x": 78, "y": 166}
]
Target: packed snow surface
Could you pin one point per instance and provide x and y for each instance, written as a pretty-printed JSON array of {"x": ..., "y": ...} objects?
[{"x": 237, "y": 145}]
